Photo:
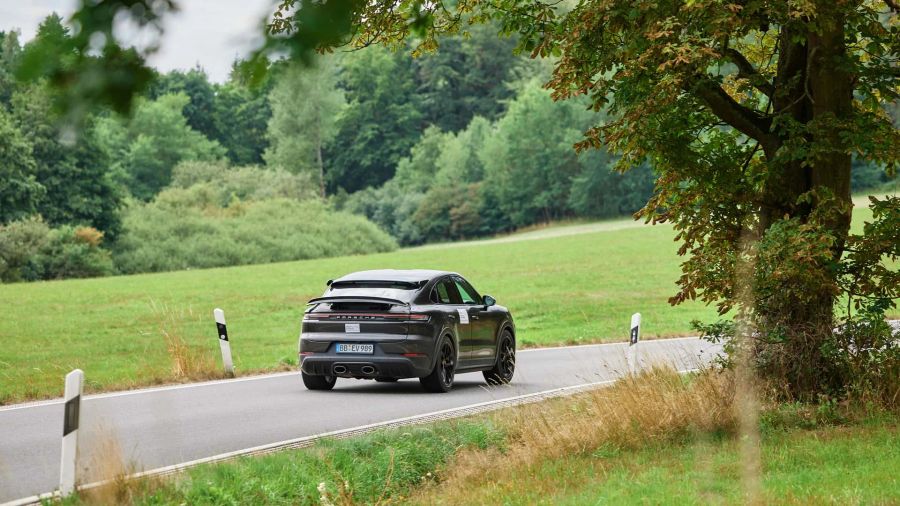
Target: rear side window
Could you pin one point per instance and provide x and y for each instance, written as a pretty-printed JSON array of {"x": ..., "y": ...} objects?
[{"x": 441, "y": 293}]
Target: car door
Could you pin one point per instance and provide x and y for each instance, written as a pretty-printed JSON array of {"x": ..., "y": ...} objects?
[
  {"x": 447, "y": 297},
  {"x": 483, "y": 339}
]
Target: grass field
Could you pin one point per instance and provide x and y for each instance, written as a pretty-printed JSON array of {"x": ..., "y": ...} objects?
[{"x": 573, "y": 284}]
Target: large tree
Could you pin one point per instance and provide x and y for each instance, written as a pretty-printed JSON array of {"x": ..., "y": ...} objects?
[
  {"x": 241, "y": 118},
  {"x": 20, "y": 191},
  {"x": 200, "y": 109},
  {"x": 306, "y": 105},
  {"x": 74, "y": 172},
  {"x": 145, "y": 149},
  {"x": 381, "y": 122}
]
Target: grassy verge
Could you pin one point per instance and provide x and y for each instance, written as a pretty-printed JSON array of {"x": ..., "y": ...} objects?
[
  {"x": 829, "y": 465},
  {"x": 659, "y": 438},
  {"x": 562, "y": 289},
  {"x": 376, "y": 468}
]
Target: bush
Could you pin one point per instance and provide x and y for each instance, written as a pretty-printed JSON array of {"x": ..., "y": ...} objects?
[
  {"x": 173, "y": 233},
  {"x": 865, "y": 351},
  {"x": 73, "y": 252},
  {"x": 20, "y": 242},
  {"x": 862, "y": 355},
  {"x": 30, "y": 250},
  {"x": 392, "y": 208},
  {"x": 450, "y": 213},
  {"x": 244, "y": 183}
]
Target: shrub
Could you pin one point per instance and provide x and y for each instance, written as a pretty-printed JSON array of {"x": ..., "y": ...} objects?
[
  {"x": 862, "y": 355},
  {"x": 73, "y": 252},
  {"x": 170, "y": 233},
  {"x": 392, "y": 208},
  {"x": 20, "y": 242},
  {"x": 245, "y": 183},
  {"x": 865, "y": 351}
]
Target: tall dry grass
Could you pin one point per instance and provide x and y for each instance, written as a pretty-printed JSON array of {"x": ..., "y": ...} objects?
[
  {"x": 107, "y": 469},
  {"x": 189, "y": 362},
  {"x": 655, "y": 406}
]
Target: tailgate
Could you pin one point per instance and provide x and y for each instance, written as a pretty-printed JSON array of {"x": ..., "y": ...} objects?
[{"x": 356, "y": 319}]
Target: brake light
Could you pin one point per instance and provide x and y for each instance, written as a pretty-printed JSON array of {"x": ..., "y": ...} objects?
[{"x": 365, "y": 316}]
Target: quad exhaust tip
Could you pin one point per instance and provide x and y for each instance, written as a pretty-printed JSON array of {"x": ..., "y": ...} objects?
[
  {"x": 340, "y": 369},
  {"x": 368, "y": 369}
]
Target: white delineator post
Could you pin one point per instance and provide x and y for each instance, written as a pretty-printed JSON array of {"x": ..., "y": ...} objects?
[
  {"x": 633, "y": 340},
  {"x": 224, "y": 344},
  {"x": 69, "y": 455}
]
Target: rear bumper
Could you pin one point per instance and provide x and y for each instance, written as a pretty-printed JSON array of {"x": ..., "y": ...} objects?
[
  {"x": 390, "y": 358},
  {"x": 360, "y": 366}
]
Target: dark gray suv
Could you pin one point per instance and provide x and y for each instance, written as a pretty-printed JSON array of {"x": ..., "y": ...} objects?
[{"x": 391, "y": 324}]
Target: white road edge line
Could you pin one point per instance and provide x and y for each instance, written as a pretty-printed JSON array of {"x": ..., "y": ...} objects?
[
  {"x": 623, "y": 344},
  {"x": 136, "y": 391},
  {"x": 264, "y": 376},
  {"x": 303, "y": 442}
]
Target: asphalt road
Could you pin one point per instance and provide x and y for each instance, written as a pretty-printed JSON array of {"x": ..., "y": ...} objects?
[{"x": 163, "y": 426}]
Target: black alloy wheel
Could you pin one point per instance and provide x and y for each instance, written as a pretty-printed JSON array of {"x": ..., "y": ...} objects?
[
  {"x": 318, "y": 382},
  {"x": 441, "y": 378},
  {"x": 503, "y": 370}
]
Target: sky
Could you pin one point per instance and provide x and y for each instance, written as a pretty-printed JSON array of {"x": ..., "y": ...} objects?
[{"x": 209, "y": 32}]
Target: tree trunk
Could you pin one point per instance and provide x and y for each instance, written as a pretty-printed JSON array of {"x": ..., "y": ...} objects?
[
  {"x": 321, "y": 168},
  {"x": 815, "y": 91}
]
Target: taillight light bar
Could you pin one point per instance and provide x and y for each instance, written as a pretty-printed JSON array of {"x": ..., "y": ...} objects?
[{"x": 365, "y": 316}]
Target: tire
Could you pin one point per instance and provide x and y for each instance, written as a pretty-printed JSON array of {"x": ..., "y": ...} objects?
[
  {"x": 318, "y": 382},
  {"x": 441, "y": 378},
  {"x": 387, "y": 380},
  {"x": 503, "y": 370}
]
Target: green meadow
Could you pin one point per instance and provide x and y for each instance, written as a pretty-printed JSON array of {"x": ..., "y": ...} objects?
[{"x": 564, "y": 285}]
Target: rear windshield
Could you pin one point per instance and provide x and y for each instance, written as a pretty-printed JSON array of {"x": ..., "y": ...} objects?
[{"x": 404, "y": 292}]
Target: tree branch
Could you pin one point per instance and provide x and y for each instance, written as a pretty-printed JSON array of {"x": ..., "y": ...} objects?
[
  {"x": 747, "y": 121},
  {"x": 892, "y": 5},
  {"x": 747, "y": 71}
]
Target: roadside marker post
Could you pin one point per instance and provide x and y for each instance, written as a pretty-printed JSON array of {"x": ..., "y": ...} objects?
[
  {"x": 634, "y": 339},
  {"x": 224, "y": 344},
  {"x": 69, "y": 454}
]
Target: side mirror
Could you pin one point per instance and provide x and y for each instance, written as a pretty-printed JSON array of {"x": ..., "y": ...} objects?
[{"x": 488, "y": 300}]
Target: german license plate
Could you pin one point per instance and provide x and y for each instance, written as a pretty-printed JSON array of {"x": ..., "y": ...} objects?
[{"x": 356, "y": 348}]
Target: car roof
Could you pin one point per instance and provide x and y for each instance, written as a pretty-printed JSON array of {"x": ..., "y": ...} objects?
[{"x": 407, "y": 275}]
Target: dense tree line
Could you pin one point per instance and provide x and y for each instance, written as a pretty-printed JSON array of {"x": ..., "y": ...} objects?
[{"x": 461, "y": 143}]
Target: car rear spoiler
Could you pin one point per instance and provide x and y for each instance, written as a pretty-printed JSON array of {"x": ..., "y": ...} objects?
[{"x": 346, "y": 298}]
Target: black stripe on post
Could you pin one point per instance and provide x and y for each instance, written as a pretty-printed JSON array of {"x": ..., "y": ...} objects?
[
  {"x": 70, "y": 420},
  {"x": 223, "y": 332},
  {"x": 634, "y": 335}
]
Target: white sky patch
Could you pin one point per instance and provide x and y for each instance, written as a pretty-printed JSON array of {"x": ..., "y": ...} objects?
[{"x": 211, "y": 33}]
